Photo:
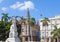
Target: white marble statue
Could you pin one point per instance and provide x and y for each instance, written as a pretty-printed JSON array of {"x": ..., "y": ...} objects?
[{"x": 13, "y": 35}]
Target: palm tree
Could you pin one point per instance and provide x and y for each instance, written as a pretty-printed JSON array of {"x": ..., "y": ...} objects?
[
  {"x": 22, "y": 19},
  {"x": 56, "y": 33},
  {"x": 5, "y": 17},
  {"x": 45, "y": 24},
  {"x": 31, "y": 23}
]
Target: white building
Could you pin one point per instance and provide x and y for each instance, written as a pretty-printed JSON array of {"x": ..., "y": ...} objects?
[{"x": 46, "y": 31}]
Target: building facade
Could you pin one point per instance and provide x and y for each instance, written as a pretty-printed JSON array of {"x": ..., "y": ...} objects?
[
  {"x": 29, "y": 33},
  {"x": 45, "y": 32}
]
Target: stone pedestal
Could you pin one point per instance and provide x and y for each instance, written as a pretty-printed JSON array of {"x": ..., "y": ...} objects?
[{"x": 13, "y": 40}]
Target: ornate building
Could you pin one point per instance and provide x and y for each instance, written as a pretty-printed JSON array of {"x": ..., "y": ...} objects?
[
  {"x": 46, "y": 31},
  {"x": 29, "y": 33}
]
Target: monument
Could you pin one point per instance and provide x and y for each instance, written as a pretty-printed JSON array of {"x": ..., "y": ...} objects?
[{"x": 13, "y": 34}]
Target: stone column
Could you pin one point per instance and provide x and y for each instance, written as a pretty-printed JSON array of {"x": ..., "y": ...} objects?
[
  {"x": 42, "y": 40},
  {"x": 54, "y": 40},
  {"x": 45, "y": 39},
  {"x": 23, "y": 39},
  {"x": 28, "y": 38},
  {"x": 49, "y": 39}
]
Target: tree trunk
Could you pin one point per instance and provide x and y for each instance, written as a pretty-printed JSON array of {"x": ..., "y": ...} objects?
[{"x": 57, "y": 39}]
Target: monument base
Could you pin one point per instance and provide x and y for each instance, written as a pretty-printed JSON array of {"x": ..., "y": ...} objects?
[{"x": 13, "y": 40}]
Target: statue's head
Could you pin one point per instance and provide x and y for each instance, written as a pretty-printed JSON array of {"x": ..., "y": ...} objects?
[{"x": 13, "y": 20}]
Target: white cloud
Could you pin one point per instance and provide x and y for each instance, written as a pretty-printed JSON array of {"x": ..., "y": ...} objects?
[
  {"x": 1, "y": 1},
  {"x": 17, "y": 5},
  {"x": 4, "y": 9},
  {"x": 26, "y": 5},
  {"x": 23, "y": 6}
]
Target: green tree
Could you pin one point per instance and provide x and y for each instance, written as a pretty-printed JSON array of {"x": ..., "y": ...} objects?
[
  {"x": 56, "y": 33},
  {"x": 4, "y": 30},
  {"x": 31, "y": 22},
  {"x": 1, "y": 30}
]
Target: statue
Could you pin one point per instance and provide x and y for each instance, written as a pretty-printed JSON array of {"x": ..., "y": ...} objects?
[{"x": 13, "y": 35}]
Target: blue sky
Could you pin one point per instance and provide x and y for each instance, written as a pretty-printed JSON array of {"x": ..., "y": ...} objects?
[{"x": 48, "y": 8}]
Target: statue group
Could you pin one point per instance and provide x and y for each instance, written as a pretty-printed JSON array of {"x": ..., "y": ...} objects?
[{"x": 13, "y": 34}]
